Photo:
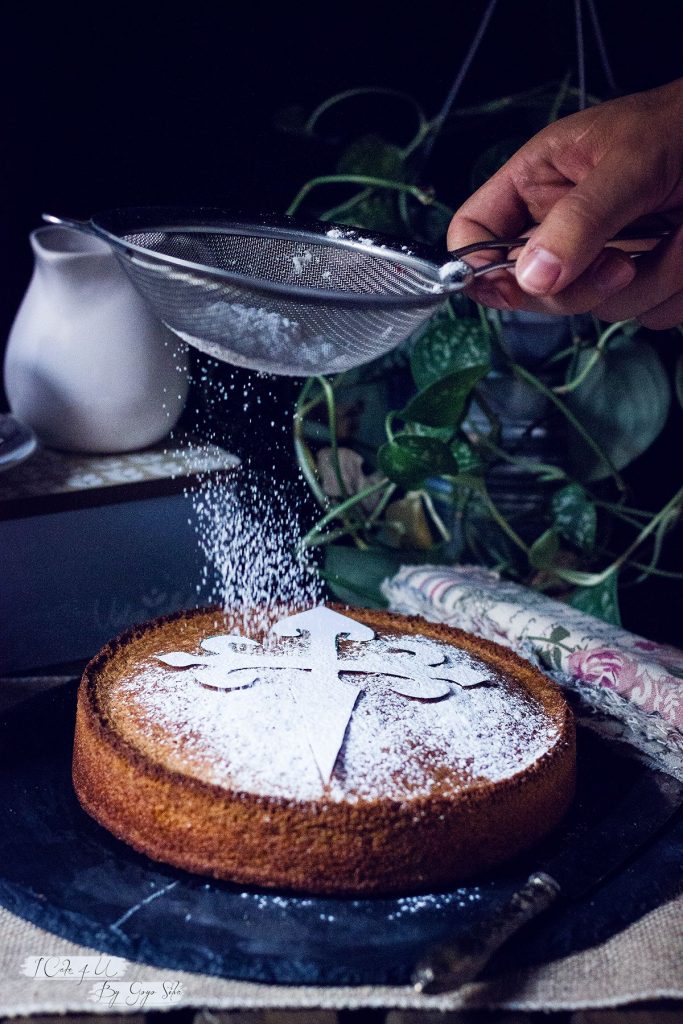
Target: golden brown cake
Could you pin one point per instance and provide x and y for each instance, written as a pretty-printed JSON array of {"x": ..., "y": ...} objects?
[{"x": 331, "y": 751}]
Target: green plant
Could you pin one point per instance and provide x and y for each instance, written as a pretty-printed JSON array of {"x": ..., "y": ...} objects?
[{"x": 428, "y": 495}]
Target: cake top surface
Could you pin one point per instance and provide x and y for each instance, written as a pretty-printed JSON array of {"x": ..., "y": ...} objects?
[{"x": 327, "y": 706}]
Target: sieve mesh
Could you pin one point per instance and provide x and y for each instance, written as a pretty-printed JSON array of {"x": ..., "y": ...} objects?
[
  {"x": 289, "y": 305},
  {"x": 288, "y": 299},
  {"x": 288, "y": 261}
]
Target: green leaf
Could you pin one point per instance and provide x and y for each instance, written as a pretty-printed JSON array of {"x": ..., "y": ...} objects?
[
  {"x": 623, "y": 404},
  {"x": 430, "y": 223},
  {"x": 574, "y": 516},
  {"x": 544, "y": 549},
  {"x": 601, "y": 600},
  {"x": 468, "y": 460},
  {"x": 373, "y": 156},
  {"x": 376, "y": 212},
  {"x": 444, "y": 434},
  {"x": 355, "y": 576},
  {"x": 446, "y": 345},
  {"x": 408, "y": 459},
  {"x": 443, "y": 403}
]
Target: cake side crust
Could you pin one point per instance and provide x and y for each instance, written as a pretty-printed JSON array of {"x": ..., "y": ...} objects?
[{"x": 322, "y": 846}]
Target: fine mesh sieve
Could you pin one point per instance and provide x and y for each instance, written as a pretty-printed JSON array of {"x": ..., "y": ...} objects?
[
  {"x": 280, "y": 297},
  {"x": 276, "y": 297}
]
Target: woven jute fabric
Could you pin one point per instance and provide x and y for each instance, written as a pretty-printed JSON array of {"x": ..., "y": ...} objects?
[{"x": 643, "y": 962}]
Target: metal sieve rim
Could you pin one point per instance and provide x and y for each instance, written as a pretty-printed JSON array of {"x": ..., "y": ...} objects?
[{"x": 112, "y": 224}]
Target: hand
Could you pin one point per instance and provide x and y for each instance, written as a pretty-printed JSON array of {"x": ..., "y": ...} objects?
[{"x": 581, "y": 180}]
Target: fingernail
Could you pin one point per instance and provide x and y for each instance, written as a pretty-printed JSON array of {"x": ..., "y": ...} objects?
[
  {"x": 539, "y": 272},
  {"x": 610, "y": 275}
]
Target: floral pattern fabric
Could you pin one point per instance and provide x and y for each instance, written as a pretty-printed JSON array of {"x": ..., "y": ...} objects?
[{"x": 630, "y": 678}]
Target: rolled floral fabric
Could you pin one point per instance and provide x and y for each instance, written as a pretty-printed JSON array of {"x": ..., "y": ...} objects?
[{"x": 633, "y": 686}]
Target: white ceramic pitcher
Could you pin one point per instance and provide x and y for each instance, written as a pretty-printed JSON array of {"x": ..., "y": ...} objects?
[{"x": 88, "y": 365}]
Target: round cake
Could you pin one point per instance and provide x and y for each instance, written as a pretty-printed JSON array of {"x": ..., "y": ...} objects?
[{"x": 321, "y": 751}]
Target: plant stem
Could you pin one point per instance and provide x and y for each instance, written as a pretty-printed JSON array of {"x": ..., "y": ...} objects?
[
  {"x": 339, "y": 510},
  {"x": 358, "y": 179},
  {"x": 348, "y": 94},
  {"x": 337, "y": 212},
  {"x": 613, "y": 506},
  {"x": 593, "y": 579},
  {"x": 559, "y": 99},
  {"x": 388, "y": 424},
  {"x": 557, "y": 356},
  {"x": 571, "y": 418},
  {"x": 381, "y": 505},
  {"x": 329, "y": 538},
  {"x": 648, "y": 570},
  {"x": 335, "y": 383},
  {"x": 493, "y": 420},
  {"x": 503, "y": 102},
  {"x": 541, "y": 468},
  {"x": 572, "y": 385},
  {"x": 440, "y": 119},
  {"x": 304, "y": 456},
  {"x": 332, "y": 421},
  {"x": 436, "y": 518},
  {"x": 475, "y": 484},
  {"x": 420, "y": 135}
]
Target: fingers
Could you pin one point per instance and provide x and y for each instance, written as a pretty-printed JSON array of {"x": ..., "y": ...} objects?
[
  {"x": 576, "y": 228},
  {"x": 498, "y": 291},
  {"x": 665, "y": 315},
  {"x": 576, "y": 220},
  {"x": 611, "y": 272},
  {"x": 496, "y": 210},
  {"x": 581, "y": 181},
  {"x": 658, "y": 279},
  {"x": 615, "y": 287}
]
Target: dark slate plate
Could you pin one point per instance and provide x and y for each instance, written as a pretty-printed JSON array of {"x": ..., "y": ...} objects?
[{"x": 63, "y": 872}]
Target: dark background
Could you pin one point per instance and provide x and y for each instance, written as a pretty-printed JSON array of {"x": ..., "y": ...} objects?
[{"x": 114, "y": 105}]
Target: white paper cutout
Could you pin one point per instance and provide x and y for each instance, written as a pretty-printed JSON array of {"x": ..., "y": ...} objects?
[{"x": 413, "y": 669}]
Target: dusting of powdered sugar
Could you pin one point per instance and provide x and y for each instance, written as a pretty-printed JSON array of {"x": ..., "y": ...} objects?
[
  {"x": 254, "y": 739},
  {"x": 399, "y": 908}
]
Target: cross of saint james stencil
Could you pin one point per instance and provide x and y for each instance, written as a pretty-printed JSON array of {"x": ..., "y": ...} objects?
[{"x": 325, "y": 683}]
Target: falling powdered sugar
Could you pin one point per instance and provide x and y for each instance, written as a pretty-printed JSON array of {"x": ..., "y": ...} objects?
[{"x": 249, "y": 535}]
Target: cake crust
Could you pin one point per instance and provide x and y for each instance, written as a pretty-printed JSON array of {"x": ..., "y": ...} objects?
[{"x": 323, "y": 845}]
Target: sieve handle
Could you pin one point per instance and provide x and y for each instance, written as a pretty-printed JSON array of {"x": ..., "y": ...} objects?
[
  {"x": 458, "y": 274},
  {"x": 69, "y": 222},
  {"x": 632, "y": 233}
]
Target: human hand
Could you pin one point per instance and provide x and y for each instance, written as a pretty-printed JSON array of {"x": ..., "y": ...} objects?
[{"x": 581, "y": 180}]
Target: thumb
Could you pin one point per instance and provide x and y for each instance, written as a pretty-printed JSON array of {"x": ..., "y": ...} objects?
[{"x": 575, "y": 229}]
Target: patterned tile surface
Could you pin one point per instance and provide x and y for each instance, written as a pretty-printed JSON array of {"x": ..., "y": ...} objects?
[{"x": 53, "y": 472}]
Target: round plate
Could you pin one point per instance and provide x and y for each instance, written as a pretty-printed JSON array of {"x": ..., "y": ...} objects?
[
  {"x": 17, "y": 441},
  {"x": 63, "y": 872}
]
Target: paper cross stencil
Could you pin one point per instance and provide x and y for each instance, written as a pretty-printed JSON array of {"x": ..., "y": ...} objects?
[{"x": 413, "y": 668}]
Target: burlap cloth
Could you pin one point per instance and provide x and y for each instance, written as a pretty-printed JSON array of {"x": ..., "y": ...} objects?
[{"x": 643, "y": 962}]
